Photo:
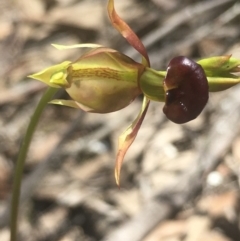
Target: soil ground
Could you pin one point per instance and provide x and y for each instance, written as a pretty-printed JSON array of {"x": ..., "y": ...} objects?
[{"x": 178, "y": 182}]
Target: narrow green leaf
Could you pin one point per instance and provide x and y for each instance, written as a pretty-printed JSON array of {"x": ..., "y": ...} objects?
[
  {"x": 86, "y": 45},
  {"x": 69, "y": 103}
]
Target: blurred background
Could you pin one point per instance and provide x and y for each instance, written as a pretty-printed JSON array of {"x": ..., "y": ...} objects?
[{"x": 178, "y": 182}]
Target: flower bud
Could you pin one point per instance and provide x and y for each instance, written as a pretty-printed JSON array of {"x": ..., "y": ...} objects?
[
  {"x": 221, "y": 72},
  {"x": 104, "y": 80},
  {"x": 220, "y": 64}
]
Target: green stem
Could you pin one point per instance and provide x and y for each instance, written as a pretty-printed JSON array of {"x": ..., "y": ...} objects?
[
  {"x": 47, "y": 96},
  {"x": 151, "y": 83}
]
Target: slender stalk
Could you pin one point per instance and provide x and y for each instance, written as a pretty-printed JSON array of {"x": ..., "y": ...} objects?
[
  {"x": 47, "y": 96},
  {"x": 151, "y": 83}
]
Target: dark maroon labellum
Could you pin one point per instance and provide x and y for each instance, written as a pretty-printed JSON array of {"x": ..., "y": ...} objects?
[{"x": 186, "y": 88}]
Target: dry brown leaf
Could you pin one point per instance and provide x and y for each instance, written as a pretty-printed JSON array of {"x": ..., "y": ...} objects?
[
  {"x": 220, "y": 205},
  {"x": 168, "y": 230}
]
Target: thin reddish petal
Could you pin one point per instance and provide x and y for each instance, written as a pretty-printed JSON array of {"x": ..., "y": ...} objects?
[
  {"x": 127, "y": 138},
  {"x": 127, "y": 32}
]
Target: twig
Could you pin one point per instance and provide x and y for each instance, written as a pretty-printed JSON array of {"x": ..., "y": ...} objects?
[{"x": 183, "y": 16}]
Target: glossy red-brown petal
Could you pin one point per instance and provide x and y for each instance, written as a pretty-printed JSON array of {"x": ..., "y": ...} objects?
[{"x": 186, "y": 89}]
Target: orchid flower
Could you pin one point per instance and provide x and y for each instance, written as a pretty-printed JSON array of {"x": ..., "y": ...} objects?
[{"x": 104, "y": 80}]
